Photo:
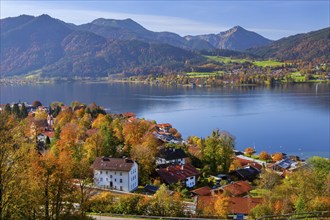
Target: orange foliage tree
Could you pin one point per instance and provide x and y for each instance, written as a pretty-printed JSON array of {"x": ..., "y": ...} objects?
[
  {"x": 264, "y": 155},
  {"x": 249, "y": 151}
]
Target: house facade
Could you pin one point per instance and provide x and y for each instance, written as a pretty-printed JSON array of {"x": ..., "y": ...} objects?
[
  {"x": 116, "y": 173},
  {"x": 171, "y": 156}
]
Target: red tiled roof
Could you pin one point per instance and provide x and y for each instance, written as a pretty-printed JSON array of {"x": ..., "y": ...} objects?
[
  {"x": 245, "y": 162},
  {"x": 235, "y": 205},
  {"x": 50, "y": 134},
  {"x": 114, "y": 164},
  {"x": 164, "y": 125},
  {"x": 128, "y": 114},
  {"x": 238, "y": 188},
  {"x": 203, "y": 191},
  {"x": 64, "y": 107},
  {"x": 243, "y": 205},
  {"x": 175, "y": 173}
]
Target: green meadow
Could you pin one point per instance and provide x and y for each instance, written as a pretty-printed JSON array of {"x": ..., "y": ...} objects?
[
  {"x": 203, "y": 74},
  {"x": 271, "y": 63},
  {"x": 226, "y": 60}
]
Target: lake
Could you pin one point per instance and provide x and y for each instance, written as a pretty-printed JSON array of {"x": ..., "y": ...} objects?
[{"x": 287, "y": 118}]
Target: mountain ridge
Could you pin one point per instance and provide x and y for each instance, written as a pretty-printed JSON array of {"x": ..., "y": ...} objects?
[
  {"x": 236, "y": 38},
  {"x": 51, "y": 47}
]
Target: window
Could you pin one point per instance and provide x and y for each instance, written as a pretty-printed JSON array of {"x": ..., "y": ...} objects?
[
  {"x": 115, "y": 173},
  {"x": 121, "y": 188},
  {"x": 111, "y": 176},
  {"x": 106, "y": 172},
  {"x": 121, "y": 173},
  {"x": 115, "y": 180},
  {"x": 106, "y": 179},
  {"x": 101, "y": 172},
  {"x": 191, "y": 177},
  {"x": 121, "y": 180},
  {"x": 101, "y": 179}
]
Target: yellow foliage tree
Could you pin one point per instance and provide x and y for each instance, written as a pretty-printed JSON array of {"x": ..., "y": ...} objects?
[{"x": 221, "y": 206}]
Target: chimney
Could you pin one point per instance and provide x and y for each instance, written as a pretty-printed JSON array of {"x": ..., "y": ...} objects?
[{"x": 182, "y": 167}]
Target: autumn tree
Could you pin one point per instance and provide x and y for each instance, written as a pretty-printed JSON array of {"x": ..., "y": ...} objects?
[
  {"x": 83, "y": 174},
  {"x": 268, "y": 179},
  {"x": 219, "y": 151},
  {"x": 163, "y": 204},
  {"x": 94, "y": 146},
  {"x": 277, "y": 157},
  {"x": 221, "y": 206},
  {"x": 55, "y": 173},
  {"x": 145, "y": 154},
  {"x": 249, "y": 151},
  {"x": 264, "y": 156},
  {"x": 14, "y": 164}
]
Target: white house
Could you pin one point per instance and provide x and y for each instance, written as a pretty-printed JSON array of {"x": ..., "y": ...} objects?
[
  {"x": 171, "y": 156},
  {"x": 116, "y": 173}
]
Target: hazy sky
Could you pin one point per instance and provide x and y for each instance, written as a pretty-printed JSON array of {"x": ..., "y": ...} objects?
[{"x": 272, "y": 19}]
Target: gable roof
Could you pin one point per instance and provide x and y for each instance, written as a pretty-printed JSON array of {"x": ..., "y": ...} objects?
[
  {"x": 238, "y": 188},
  {"x": 285, "y": 163},
  {"x": 175, "y": 173},
  {"x": 113, "y": 164},
  {"x": 50, "y": 134},
  {"x": 243, "y": 205},
  {"x": 248, "y": 173},
  {"x": 171, "y": 153},
  {"x": 245, "y": 162},
  {"x": 202, "y": 191}
]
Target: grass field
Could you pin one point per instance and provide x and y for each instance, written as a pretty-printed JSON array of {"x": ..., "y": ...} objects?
[
  {"x": 271, "y": 63},
  {"x": 226, "y": 59},
  {"x": 203, "y": 74},
  {"x": 264, "y": 63}
]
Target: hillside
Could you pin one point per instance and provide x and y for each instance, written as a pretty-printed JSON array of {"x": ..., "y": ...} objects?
[
  {"x": 50, "y": 47},
  {"x": 310, "y": 46},
  {"x": 29, "y": 43},
  {"x": 237, "y": 38}
]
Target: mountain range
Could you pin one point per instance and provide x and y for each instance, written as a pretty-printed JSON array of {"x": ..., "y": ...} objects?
[{"x": 52, "y": 48}]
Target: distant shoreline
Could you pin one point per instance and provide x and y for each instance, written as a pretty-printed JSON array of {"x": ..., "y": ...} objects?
[{"x": 23, "y": 81}]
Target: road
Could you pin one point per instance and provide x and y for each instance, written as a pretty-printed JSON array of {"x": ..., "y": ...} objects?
[{"x": 98, "y": 217}]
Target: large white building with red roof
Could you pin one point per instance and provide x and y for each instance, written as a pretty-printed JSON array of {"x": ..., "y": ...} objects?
[{"x": 116, "y": 173}]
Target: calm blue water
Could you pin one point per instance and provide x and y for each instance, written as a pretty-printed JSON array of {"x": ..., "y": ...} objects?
[{"x": 292, "y": 119}]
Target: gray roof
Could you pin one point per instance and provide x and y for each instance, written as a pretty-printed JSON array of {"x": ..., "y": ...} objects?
[
  {"x": 113, "y": 164},
  {"x": 171, "y": 153}
]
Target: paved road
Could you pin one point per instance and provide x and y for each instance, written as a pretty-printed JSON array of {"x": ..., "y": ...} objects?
[{"x": 97, "y": 217}]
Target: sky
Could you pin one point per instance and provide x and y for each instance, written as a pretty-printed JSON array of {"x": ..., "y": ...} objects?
[{"x": 272, "y": 19}]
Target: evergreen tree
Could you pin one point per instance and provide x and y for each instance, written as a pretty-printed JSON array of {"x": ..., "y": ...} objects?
[
  {"x": 16, "y": 110},
  {"x": 23, "y": 111},
  {"x": 7, "y": 109}
]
